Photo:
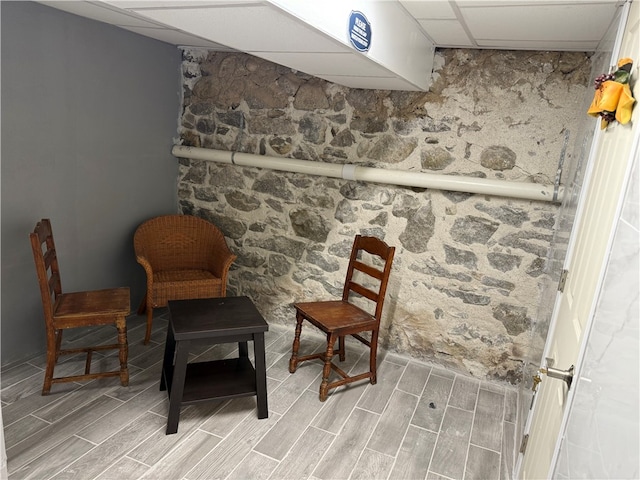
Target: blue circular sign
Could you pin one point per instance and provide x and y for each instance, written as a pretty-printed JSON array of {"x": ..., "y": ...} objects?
[{"x": 359, "y": 31}]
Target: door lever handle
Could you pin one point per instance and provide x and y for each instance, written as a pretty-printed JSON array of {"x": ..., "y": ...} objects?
[{"x": 564, "y": 375}]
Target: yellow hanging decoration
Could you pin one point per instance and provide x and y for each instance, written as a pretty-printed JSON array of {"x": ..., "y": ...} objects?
[{"x": 613, "y": 99}]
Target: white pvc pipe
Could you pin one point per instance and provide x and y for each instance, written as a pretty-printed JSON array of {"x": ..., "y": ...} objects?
[{"x": 457, "y": 183}]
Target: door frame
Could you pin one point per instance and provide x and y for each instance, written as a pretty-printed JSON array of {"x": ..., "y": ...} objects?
[{"x": 579, "y": 218}]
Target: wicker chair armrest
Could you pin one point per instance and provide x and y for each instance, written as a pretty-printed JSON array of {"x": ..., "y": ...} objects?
[
  {"x": 142, "y": 260},
  {"x": 222, "y": 260}
]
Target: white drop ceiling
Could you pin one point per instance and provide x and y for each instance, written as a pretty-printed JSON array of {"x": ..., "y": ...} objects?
[{"x": 410, "y": 29}]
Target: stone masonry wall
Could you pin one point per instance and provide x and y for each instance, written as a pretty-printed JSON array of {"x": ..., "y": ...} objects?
[{"x": 465, "y": 286}]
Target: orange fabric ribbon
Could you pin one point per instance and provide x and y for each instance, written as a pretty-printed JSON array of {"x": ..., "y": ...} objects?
[{"x": 613, "y": 98}]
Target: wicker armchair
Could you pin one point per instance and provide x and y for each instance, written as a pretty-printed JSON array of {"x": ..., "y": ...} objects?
[{"x": 184, "y": 257}]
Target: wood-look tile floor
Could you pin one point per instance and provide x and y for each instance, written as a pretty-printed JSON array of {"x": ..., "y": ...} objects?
[{"x": 417, "y": 422}]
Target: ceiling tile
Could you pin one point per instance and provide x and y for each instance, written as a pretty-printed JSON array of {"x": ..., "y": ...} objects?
[
  {"x": 102, "y": 13},
  {"x": 543, "y": 23},
  {"x": 266, "y": 29},
  {"x": 175, "y": 37},
  {"x": 247, "y": 28},
  {"x": 431, "y": 9},
  {"x": 447, "y": 33},
  {"x": 327, "y": 63}
]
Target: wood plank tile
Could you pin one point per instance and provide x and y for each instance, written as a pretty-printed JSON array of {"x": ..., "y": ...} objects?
[
  {"x": 482, "y": 464},
  {"x": 23, "y": 428},
  {"x": 53, "y": 460},
  {"x": 508, "y": 453},
  {"x": 146, "y": 357},
  {"x": 19, "y": 373},
  {"x": 441, "y": 372},
  {"x": 372, "y": 465},
  {"x": 281, "y": 437},
  {"x": 414, "y": 456},
  {"x": 433, "y": 403},
  {"x": 271, "y": 358},
  {"x": 464, "y": 393},
  {"x": 392, "y": 357},
  {"x": 122, "y": 469},
  {"x": 177, "y": 463},
  {"x": 307, "y": 376},
  {"x": 392, "y": 425},
  {"x": 158, "y": 444},
  {"x": 435, "y": 476},
  {"x": 218, "y": 351},
  {"x": 27, "y": 405},
  {"x": 77, "y": 399},
  {"x": 254, "y": 466},
  {"x": 338, "y": 407},
  {"x": 414, "y": 378},
  {"x": 279, "y": 338},
  {"x": 124, "y": 414},
  {"x": 511, "y": 406},
  {"x": 221, "y": 461},
  {"x": 493, "y": 387},
  {"x": 376, "y": 396},
  {"x": 279, "y": 369},
  {"x": 344, "y": 452},
  {"x": 229, "y": 415},
  {"x": 305, "y": 454},
  {"x": 137, "y": 444},
  {"x": 487, "y": 423},
  {"x": 139, "y": 382},
  {"x": 450, "y": 453},
  {"x": 103, "y": 456},
  {"x": 57, "y": 433},
  {"x": 353, "y": 366}
]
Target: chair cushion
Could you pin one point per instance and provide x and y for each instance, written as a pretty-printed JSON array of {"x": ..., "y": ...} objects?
[
  {"x": 183, "y": 285},
  {"x": 181, "y": 276}
]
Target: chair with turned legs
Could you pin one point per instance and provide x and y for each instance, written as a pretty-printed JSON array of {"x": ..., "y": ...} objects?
[
  {"x": 365, "y": 286},
  {"x": 64, "y": 311}
]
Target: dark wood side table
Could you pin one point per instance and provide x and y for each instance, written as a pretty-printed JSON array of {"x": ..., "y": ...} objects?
[{"x": 218, "y": 320}]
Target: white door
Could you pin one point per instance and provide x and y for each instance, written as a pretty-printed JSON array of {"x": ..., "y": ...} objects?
[{"x": 589, "y": 245}]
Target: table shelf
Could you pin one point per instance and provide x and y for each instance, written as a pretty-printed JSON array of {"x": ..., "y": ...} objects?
[{"x": 217, "y": 380}]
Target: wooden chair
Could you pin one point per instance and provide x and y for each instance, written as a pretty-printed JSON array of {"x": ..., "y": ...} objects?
[
  {"x": 365, "y": 286},
  {"x": 184, "y": 257},
  {"x": 77, "y": 309}
]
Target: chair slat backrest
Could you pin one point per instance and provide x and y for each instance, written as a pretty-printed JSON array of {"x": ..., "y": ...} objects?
[
  {"x": 47, "y": 269},
  {"x": 368, "y": 271}
]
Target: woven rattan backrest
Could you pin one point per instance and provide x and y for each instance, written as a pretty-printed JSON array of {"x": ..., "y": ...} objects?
[
  {"x": 178, "y": 242},
  {"x": 368, "y": 271}
]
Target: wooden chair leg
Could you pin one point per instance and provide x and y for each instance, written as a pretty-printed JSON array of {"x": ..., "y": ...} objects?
[
  {"x": 147, "y": 335},
  {"x": 341, "y": 350},
  {"x": 52, "y": 356},
  {"x": 326, "y": 371},
  {"x": 58, "y": 344},
  {"x": 124, "y": 351},
  {"x": 293, "y": 361},
  {"x": 372, "y": 357}
]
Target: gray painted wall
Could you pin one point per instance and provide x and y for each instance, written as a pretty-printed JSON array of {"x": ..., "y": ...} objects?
[{"x": 89, "y": 113}]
